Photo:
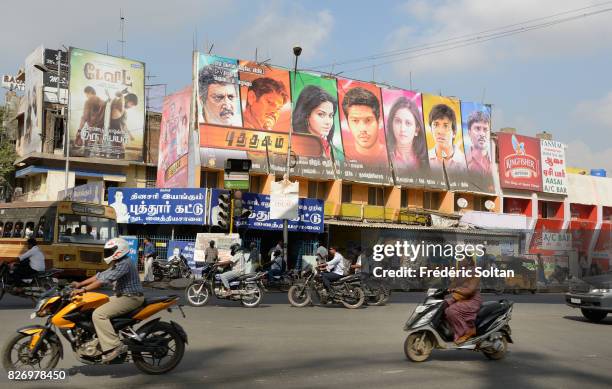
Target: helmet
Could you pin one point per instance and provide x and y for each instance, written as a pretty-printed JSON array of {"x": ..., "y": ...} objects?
[
  {"x": 115, "y": 249},
  {"x": 234, "y": 248}
]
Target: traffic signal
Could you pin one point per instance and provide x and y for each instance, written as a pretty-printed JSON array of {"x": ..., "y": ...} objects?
[
  {"x": 223, "y": 213},
  {"x": 240, "y": 213}
]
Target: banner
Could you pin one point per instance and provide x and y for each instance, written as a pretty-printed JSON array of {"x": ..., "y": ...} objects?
[
  {"x": 554, "y": 178},
  {"x": 519, "y": 162},
  {"x": 406, "y": 142},
  {"x": 88, "y": 193},
  {"x": 31, "y": 141},
  {"x": 133, "y": 244},
  {"x": 363, "y": 135},
  {"x": 476, "y": 124},
  {"x": 442, "y": 117},
  {"x": 223, "y": 242},
  {"x": 50, "y": 61},
  {"x": 309, "y": 219},
  {"x": 107, "y": 106},
  {"x": 158, "y": 206},
  {"x": 172, "y": 165},
  {"x": 284, "y": 200},
  {"x": 186, "y": 249}
]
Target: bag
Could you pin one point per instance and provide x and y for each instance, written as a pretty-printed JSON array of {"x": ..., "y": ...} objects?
[{"x": 347, "y": 266}]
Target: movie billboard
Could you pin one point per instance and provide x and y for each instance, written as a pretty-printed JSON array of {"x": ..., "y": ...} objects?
[
  {"x": 554, "y": 178},
  {"x": 172, "y": 166},
  {"x": 406, "y": 143},
  {"x": 107, "y": 106},
  {"x": 32, "y": 141},
  {"x": 519, "y": 162},
  {"x": 442, "y": 116},
  {"x": 363, "y": 134},
  {"x": 476, "y": 125}
]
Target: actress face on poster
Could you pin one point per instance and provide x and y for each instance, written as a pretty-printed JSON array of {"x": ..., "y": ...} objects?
[
  {"x": 314, "y": 114},
  {"x": 405, "y": 135}
]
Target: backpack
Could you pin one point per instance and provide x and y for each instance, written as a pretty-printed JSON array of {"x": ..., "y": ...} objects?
[{"x": 347, "y": 266}]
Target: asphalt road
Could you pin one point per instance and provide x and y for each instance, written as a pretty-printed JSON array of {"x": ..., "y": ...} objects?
[{"x": 321, "y": 347}]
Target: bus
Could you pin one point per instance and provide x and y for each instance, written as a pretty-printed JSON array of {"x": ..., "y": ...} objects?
[{"x": 70, "y": 234}]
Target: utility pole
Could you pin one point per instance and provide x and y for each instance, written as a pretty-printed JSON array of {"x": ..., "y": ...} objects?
[{"x": 122, "y": 27}]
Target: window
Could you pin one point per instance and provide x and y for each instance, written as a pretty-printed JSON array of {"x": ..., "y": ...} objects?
[
  {"x": 86, "y": 229},
  {"x": 58, "y": 132},
  {"x": 431, "y": 200},
  {"x": 109, "y": 184},
  {"x": 404, "y": 199},
  {"x": 317, "y": 189},
  {"x": 151, "y": 176},
  {"x": 8, "y": 229},
  {"x": 80, "y": 181},
  {"x": 347, "y": 193},
  {"x": 209, "y": 179},
  {"x": 376, "y": 196}
]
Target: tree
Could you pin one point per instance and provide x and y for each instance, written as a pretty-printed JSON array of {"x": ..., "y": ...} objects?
[{"x": 7, "y": 154}]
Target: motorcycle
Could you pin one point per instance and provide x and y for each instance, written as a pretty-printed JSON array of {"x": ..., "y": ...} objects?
[
  {"x": 376, "y": 292},
  {"x": 155, "y": 347},
  {"x": 248, "y": 288},
  {"x": 427, "y": 329},
  {"x": 347, "y": 290},
  {"x": 171, "y": 269},
  {"x": 282, "y": 282},
  {"x": 29, "y": 287}
]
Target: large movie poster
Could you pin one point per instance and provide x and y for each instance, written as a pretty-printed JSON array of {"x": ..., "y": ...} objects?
[
  {"x": 406, "y": 142},
  {"x": 519, "y": 162},
  {"x": 363, "y": 134},
  {"x": 476, "y": 124},
  {"x": 172, "y": 167},
  {"x": 442, "y": 117},
  {"x": 554, "y": 178},
  {"x": 107, "y": 106},
  {"x": 31, "y": 141}
]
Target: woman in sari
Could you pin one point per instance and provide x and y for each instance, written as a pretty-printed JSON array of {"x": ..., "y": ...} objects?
[{"x": 463, "y": 304}]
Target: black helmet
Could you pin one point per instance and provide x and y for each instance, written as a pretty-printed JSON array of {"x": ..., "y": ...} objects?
[
  {"x": 234, "y": 248},
  {"x": 32, "y": 241}
]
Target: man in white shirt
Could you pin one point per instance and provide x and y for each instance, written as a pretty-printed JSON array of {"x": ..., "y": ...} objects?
[
  {"x": 335, "y": 268},
  {"x": 30, "y": 263},
  {"x": 238, "y": 264}
]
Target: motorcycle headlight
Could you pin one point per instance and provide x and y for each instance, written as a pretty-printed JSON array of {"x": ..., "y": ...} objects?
[{"x": 39, "y": 306}]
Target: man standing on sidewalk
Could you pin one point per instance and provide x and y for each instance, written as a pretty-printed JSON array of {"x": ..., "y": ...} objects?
[{"x": 148, "y": 256}]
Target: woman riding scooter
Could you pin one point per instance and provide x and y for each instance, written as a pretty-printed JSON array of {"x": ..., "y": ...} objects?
[{"x": 463, "y": 304}]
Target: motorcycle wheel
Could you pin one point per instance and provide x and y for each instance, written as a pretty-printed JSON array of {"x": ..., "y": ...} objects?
[
  {"x": 19, "y": 345},
  {"x": 2, "y": 291},
  {"x": 593, "y": 316},
  {"x": 197, "y": 294},
  {"x": 381, "y": 298},
  {"x": 299, "y": 296},
  {"x": 416, "y": 350},
  {"x": 497, "y": 355},
  {"x": 357, "y": 298},
  {"x": 151, "y": 363},
  {"x": 254, "y": 298}
]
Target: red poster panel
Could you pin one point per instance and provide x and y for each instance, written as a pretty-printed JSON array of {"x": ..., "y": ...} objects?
[{"x": 519, "y": 162}]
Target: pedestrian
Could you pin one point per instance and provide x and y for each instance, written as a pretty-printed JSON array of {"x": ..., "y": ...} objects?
[
  {"x": 211, "y": 254},
  {"x": 254, "y": 258},
  {"x": 148, "y": 256}
]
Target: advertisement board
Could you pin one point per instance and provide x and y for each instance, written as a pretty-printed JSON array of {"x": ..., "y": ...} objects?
[
  {"x": 158, "y": 206},
  {"x": 88, "y": 193},
  {"x": 554, "y": 178},
  {"x": 172, "y": 165},
  {"x": 133, "y": 244},
  {"x": 106, "y": 107},
  {"x": 32, "y": 141},
  {"x": 186, "y": 249},
  {"x": 223, "y": 242},
  {"x": 519, "y": 162},
  {"x": 476, "y": 126}
]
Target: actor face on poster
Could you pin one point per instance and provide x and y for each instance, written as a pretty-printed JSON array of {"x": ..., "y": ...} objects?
[
  {"x": 314, "y": 114},
  {"x": 445, "y": 139},
  {"x": 218, "y": 91}
]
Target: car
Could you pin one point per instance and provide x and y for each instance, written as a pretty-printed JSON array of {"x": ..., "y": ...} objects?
[{"x": 593, "y": 295}]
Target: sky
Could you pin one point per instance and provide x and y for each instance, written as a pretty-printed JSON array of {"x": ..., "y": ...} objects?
[{"x": 554, "y": 79}]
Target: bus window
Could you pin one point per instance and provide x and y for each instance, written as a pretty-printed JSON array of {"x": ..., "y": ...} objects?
[
  {"x": 8, "y": 229},
  {"x": 18, "y": 231},
  {"x": 86, "y": 229},
  {"x": 29, "y": 229},
  {"x": 1, "y": 229}
]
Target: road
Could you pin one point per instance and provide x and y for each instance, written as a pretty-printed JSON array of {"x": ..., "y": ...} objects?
[{"x": 322, "y": 347}]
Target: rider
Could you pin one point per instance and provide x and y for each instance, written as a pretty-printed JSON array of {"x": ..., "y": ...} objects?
[
  {"x": 30, "y": 262},
  {"x": 335, "y": 268},
  {"x": 128, "y": 295},
  {"x": 238, "y": 264},
  {"x": 276, "y": 266}
]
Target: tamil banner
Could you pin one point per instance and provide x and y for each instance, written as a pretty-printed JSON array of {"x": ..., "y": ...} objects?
[
  {"x": 476, "y": 125},
  {"x": 106, "y": 107},
  {"x": 406, "y": 142},
  {"x": 519, "y": 162},
  {"x": 554, "y": 178},
  {"x": 442, "y": 117},
  {"x": 31, "y": 141},
  {"x": 172, "y": 166},
  {"x": 363, "y": 135}
]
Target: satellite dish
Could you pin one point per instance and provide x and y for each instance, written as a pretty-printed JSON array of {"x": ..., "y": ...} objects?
[
  {"x": 462, "y": 203},
  {"x": 489, "y": 205}
]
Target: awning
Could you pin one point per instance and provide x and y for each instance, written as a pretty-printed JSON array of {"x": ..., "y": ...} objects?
[
  {"x": 496, "y": 220},
  {"x": 398, "y": 226},
  {"x": 589, "y": 190},
  {"x": 33, "y": 170}
]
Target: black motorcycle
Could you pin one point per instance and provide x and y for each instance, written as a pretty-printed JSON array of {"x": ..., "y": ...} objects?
[
  {"x": 376, "y": 292},
  {"x": 281, "y": 282},
  {"x": 171, "y": 269},
  {"x": 31, "y": 288},
  {"x": 248, "y": 288},
  {"x": 347, "y": 290}
]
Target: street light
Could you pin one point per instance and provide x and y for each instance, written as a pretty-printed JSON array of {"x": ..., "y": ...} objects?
[{"x": 297, "y": 50}]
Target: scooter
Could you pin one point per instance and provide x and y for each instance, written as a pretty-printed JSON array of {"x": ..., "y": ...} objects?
[{"x": 427, "y": 329}]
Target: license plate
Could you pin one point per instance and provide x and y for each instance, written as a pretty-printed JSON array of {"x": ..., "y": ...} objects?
[{"x": 575, "y": 301}]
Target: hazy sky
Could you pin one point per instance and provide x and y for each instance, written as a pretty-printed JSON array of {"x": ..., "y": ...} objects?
[{"x": 555, "y": 79}]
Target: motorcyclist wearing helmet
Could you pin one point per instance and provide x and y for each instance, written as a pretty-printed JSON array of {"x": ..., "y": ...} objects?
[
  {"x": 238, "y": 263},
  {"x": 128, "y": 295}
]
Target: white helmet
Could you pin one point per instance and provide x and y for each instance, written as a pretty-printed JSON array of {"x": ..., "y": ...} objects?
[{"x": 115, "y": 249}]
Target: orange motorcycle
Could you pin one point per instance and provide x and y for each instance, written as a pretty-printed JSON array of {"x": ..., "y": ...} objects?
[{"x": 155, "y": 347}]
